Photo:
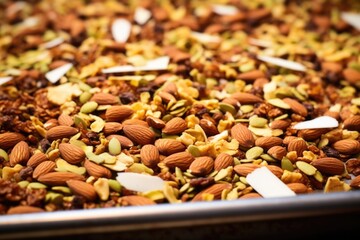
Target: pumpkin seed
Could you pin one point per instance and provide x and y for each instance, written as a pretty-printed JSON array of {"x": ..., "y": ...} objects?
[
  {"x": 277, "y": 102},
  {"x": 306, "y": 168},
  {"x": 36, "y": 185},
  {"x": 89, "y": 107},
  {"x": 114, "y": 147},
  {"x": 4, "y": 155},
  {"x": 286, "y": 164},
  {"x": 114, "y": 185},
  {"x": 254, "y": 152},
  {"x": 258, "y": 122}
]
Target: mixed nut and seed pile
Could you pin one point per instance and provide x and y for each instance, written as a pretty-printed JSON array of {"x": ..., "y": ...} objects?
[{"x": 178, "y": 91}]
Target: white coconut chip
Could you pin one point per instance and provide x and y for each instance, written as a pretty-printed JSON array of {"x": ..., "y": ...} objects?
[
  {"x": 5, "y": 80},
  {"x": 53, "y": 43},
  {"x": 224, "y": 9},
  {"x": 260, "y": 42},
  {"x": 351, "y": 18},
  {"x": 283, "y": 63},
  {"x": 121, "y": 29},
  {"x": 140, "y": 182},
  {"x": 320, "y": 122},
  {"x": 54, "y": 75},
  {"x": 205, "y": 38},
  {"x": 160, "y": 63},
  {"x": 267, "y": 184},
  {"x": 142, "y": 15}
]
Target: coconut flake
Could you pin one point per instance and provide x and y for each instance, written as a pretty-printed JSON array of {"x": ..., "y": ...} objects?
[
  {"x": 351, "y": 18},
  {"x": 53, "y": 43},
  {"x": 140, "y": 182},
  {"x": 283, "y": 63},
  {"x": 4, "y": 80},
  {"x": 55, "y": 75},
  {"x": 320, "y": 122},
  {"x": 221, "y": 9},
  {"x": 267, "y": 184},
  {"x": 260, "y": 42},
  {"x": 121, "y": 29},
  {"x": 142, "y": 15},
  {"x": 205, "y": 38},
  {"x": 160, "y": 63}
]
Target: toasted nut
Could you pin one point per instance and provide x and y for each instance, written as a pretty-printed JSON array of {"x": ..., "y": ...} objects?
[
  {"x": 139, "y": 134},
  {"x": 175, "y": 126},
  {"x": 59, "y": 132},
  {"x": 124, "y": 141},
  {"x": 297, "y": 145},
  {"x": 246, "y": 98},
  {"x": 214, "y": 190},
  {"x": 71, "y": 153},
  {"x": 36, "y": 159},
  {"x": 202, "y": 166},
  {"x": 347, "y": 146},
  {"x": 65, "y": 120},
  {"x": 332, "y": 166},
  {"x": 243, "y": 135},
  {"x": 181, "y": 160},
  {"x": 10, "y": 139},
  {"x": 24, "y": 209},
  {"x": 59, "y": 178},
  {"x": 135, "y": 201},
  {"x": 352, "y": 123},
  {"x": 169, "y": 146},
  {"x": 118, "y": 113},
  {"x": 43, "y": 168},
  {"x": 19, "y": 154},
  {"x": 96, "y": 170},
  {"x": 222, "y": 161},
  {"x": 149, "y": 155},
  {"x": 268, "y": 142},
  {"x": 105, "y": 99},
  {"x": 83, "y": 189}
]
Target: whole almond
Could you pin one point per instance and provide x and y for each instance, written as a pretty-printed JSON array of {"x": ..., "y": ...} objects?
[
  {"x": 243, "y": 135},
  {"x": 181, "y": 160},
  {"x": 20, "y": 154},
  {"x": 280, "y": 124},
  {"x": 112, "y": 128},
  {"x": 277, "y": 171},
  {"x": 312, "y": 134},
  {"x": 246, "y": 98},
  {"x": 105, "y": 99},
  {"x": 65, "y": 120},
  {"x": 222, "y": 161},
  {"x": 60, "y": 132},
  {"x": 124, "y": 141},
  {"x": 298, "y": 187},
  {"x": 329, "y": 165},
  {"x": 245, "y": 168},
  {"x": 209, "y": 127},
  {"x": 169, "y": 146},
  {"x": 36, "y": 159},
  {"x": 96, "y": 170},
  {"x": 134, "y": 200},
  {"x": 277, "y": 152},
  {"x": 298, "y": 145},
  {"x": 351, "y": 75},
  {"x": 296, "y": 107},
  {"x": 268, "y": 141},
  {"x": 202, "y": 166},
  {"x": 149, "y": 155},
  {"x": 10, "y": 139},
  {"x": 250, "y": 195},
  {"x": 175, "y": 126},
  {"x": 71, "y": 153},
  {"x": 347, "y": 146},
  {"x": 59, "y": 178},
  {"x": 215, "y": 190},
  {"x": 251, "y": 75},
  {"x": 83, "y": 189},
  {"x": 288, "y": 139},
  {"x": 139, "y": 134},
  {"x": 43, "y": 168},
  {"x": 331, "y": 67},
  {"x": 118, "y": 113},
  {"x": 352, "y": 123},
  {"x": 355, "y": 182},
  {"x": 259, "y": 13},
  {"x": 135, "y": 122},
  {"x": 155, "y": 122},
  {"x": 24, "y": 209}
]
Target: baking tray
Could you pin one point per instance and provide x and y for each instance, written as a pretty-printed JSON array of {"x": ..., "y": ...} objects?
[{"x": 121, "y": 219}]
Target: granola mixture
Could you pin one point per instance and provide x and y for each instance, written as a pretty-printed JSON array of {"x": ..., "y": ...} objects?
[{"x": 181, "y": 90}]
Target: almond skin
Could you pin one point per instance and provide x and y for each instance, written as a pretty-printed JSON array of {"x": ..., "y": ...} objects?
[
  {"x": 10, "y": 139},
  {"x": 169, "y": 146},
  {"x": 149, "y": 155},
  {"x": 118, "y": 113},
  {"x": 124, "y": 141},
  {"x": 298, "y": 145},
  {"x": 329, "y": 165},
  {"x": 268, "y": 142},
  {"x": 139, "y": 134},
  {"x": 60, "y": 132},
  {"x": 246, "y": 168},
  {"x": 251, "y": 75},
  {"x": 250, "y": 195},
  {"x": 209, "y": 127},
  {"x": 296, "y": 107},
  {"x": 202, "y": 166},
  {"x": 96, "y": 170},
  {"x": 181, "y": 160},
  {"x": 59, "y": 178},
  {"x": 312, "y": 134},
  {"x": 19, "y": 154},
  {"x": 65, "y": 120},
  {"x": 105, "y": 99},
  {"x": 155, "y": 122},
  {"x": 277, "y": 152},
  {"x": 175, "y": 126},
  {"x": 355, "y": 182},
  {"x": 112, "y": 128},
  {"x": 83, "y": 189},
  {"x": 280, "y": 124},
  {"x": 36, "y": 159},
  {"x": 215, "y": 189},
  {"x": 298, "y": 187},
  {"x": 43, "y": 168},
  {"x": 134, "y": 200},
  {"x": 243, "y": 135},
  {"x": 246, "y": 98},
  {"x": 135, "y": 122},
  {"x": 352, "y": 123},
  {"x": 222, "y": 161},
  {"x": 71, "y": 153},
  {"x": 24, "y": 209},
  {"x": 347, "y": 146}
]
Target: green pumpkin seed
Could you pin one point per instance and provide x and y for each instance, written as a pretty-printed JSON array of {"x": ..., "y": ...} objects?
[
  {"x": 254, "y": 152},
  {"x": 225, "y": 107},
  {"x": 89, "y": 107},
  {"x": 84, "y": 97},
  {"x": 277, "y": 102},
  {"x": 114, "y": 185},
  {"x": 258, "y": 122},
  {"x": 286, "y": 164},
  {"x": 306, "y": 168},
  {"x": 4, "y": 155},
  {"x": 114, "y": 147},
  {"x": 36, "y": 185}
]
